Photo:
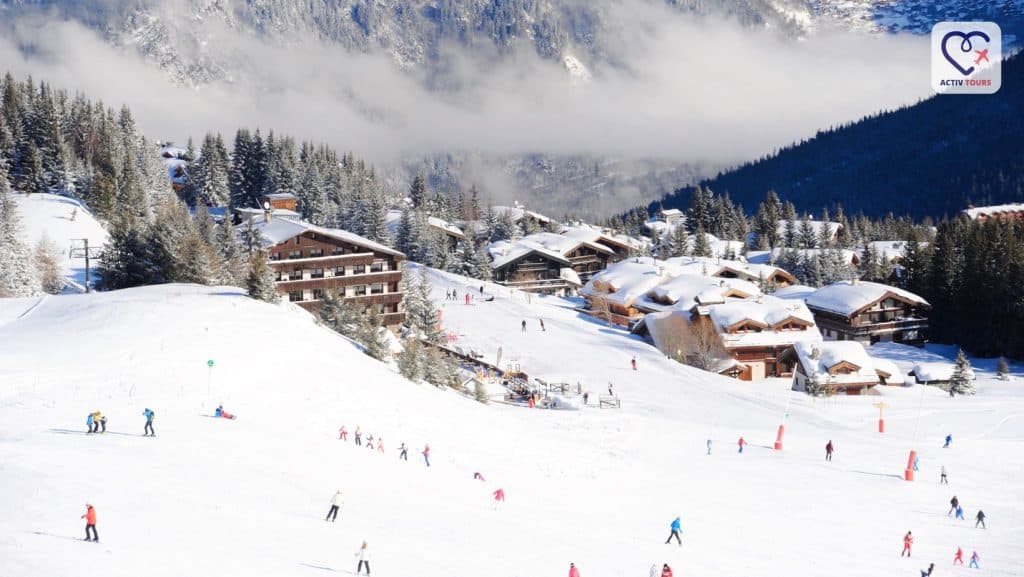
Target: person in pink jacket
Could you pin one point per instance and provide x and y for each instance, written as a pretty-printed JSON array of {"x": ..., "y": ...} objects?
[{"x": 573, "y": 571}]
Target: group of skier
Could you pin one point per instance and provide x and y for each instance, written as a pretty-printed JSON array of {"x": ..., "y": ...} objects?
[
  {"x": 403, "y": 451},
  {"x": 96, "y": 422}
]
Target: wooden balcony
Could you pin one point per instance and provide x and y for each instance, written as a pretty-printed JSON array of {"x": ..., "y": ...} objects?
[{"x": 333, "y": 282}]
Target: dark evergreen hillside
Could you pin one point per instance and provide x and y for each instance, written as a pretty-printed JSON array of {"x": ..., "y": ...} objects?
[{"x": 929, "y": 159}]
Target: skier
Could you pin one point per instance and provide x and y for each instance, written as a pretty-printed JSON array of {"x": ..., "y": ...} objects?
[
  {"x": 499, "y": 497},
  {"x": 586, "y": 397},
  {"x": 676, "y": 528},
  {"x": 103, "y": 423},
  {"x": 380, "y": 445},
  {"x": 959, "y": 558},
  {"x": 960, "y": 513},
  {"x": 953, "y": 504},
  {"x": 741, "y": 443},
  {"x": 908, "y": 542},
  {"x": 467, "y": 299},
  {"x": 980, "y": 519},
  {"x": 359, "y": 436},
  {"x": 88, "y": 424},
  {"x": 654, "y": 571},
  {"x": 610, "y": 393},
  {"x": 342, "y": 433},
  {"x": 448, "y": 295},
  {"x": 148, "y": 429},
  {"x": 481, "y": 289},
  {"x": 633, "y": 363},
  {"x": 709, "y": 446},
  {"x": 542, "y": 326},
  {"x": 90, "y": 523},
  {"x": 403, "y": 452},
  {"x": 524, "y": 325},
  {"x": 666, "y": 571},
  {"x": 363, "y": 554},
  {"x": 942, "y": 476},
  {"x": 426, "y": 454},
  {"x": 336, "y": 501},
  {"x": 917, "y": 461},
  {"x": 974, "y": 560},
  {"x": 573, "y": 571},
  {"x": 931, "y": 567},
  {"x": 455, "y": 295},
  {"x": 478, "y": 477},
  {"x": 369, "y": 442},
  {"x": 949, "y": 439},
  {"x": 828, "y": 450}
]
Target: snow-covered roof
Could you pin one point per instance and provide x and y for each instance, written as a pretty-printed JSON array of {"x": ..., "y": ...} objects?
[
  {"x": 518, "y": 213},
  {"x": 689, "y": 289},
  {"x": 794, "y": 292},
  {"x": 848, "y": 297},
  {"x": 930, "y": 372},
  {"x": 890, "y": 250},
  {"x": 279, "y": 230},
  {"x": 895, "y": 375},
  {"x": 626, "y": 281},
  {"x": 280, "y": 196},
  {"x": 568, "y": 274},
  {"x": 993, "y": 210},
  {"x": 504, "y": 253},
  {"x": 768, "y": 312},
  {"x": 830, "y": 354},
  {"x": 671, "y": 212},
  {"x": 446, "y": 227}
]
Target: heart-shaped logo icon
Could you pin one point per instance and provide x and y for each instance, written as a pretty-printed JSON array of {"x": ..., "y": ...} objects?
[{"x": 965, "y": 47}]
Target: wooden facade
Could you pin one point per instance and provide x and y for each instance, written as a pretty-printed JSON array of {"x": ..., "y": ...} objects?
[
  {"x": 282, "y": 201},
  {"x": 889, "y": 319},
  {"x": 308, "y": 264},
  {"x": 534, "y": 271},
  {"x": 587, "y": 260}
]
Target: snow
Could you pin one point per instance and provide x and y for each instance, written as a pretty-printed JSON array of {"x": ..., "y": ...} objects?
[
  {"x": 278, "y": 230},
  {"x": 846, "y": 297},
  {"x": 767, "y": 312},
  {"x": 764, "y": 257},
  {"x": 831, "y": 353},
  {"x": 504, "y": 253},
  {"x": 51, "y": 214},
  {"x": 594, "y": 487},
  {"x": 794, "y": 292},
  {"x": 891, "y": 250},
  {"x": 816, "y": 225},
  {"x": 976, "y": 211},
  {"x": 445, "y": 227},
  {"x": 689, "y": 289}
]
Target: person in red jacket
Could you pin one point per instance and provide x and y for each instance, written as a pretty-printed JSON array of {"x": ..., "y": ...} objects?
[
  {"x": 666, "y": 571},
  {"x": 499, "y": 498},
  {"x": 90, "y": 523},
  {"x": 908, "y": 542},
  {"x": 959, "y": 556},
  {"x": 741, "y": 443},
  {"x": 573, "y": 571}
]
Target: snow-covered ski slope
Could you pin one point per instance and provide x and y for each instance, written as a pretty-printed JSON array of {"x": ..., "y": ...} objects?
[
  {"x": 595, "y": 487},
  {"x": 65, "y": 222}
]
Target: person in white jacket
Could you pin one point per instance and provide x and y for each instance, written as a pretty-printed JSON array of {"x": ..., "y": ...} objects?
[
  {"x": 336, "y": 502},
  {"x": 363, "y": 554},
  {"x": 655, "y": 572}
]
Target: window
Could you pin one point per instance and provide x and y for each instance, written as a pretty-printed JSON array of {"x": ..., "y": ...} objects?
[
  {"x": 377, "y": 267},
  {"x": 359, "y": 290},
  {"x": 295, "y": 275},
  {"x": 316, "y": 273},
  {"x": 295, "y": 254},
  {"x": 294, "y": 296},
  {"x": 339, "y": 271},
  {"x": 376, "y": 288},
  {"x": 275, "y": 256},
  {"x": 359, "y": 269},
  {"x": 313, "y": 253},
  {"x": 278, "y": 276},
  {"x": 318, "y": 294},
  {"x": 338, "y": 250}
]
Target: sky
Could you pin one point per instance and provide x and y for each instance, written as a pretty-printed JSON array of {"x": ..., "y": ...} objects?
[{"x": 697, "y": 91}]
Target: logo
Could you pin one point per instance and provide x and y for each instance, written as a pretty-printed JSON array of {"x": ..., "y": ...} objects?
[{"x": 966, "y": 57}]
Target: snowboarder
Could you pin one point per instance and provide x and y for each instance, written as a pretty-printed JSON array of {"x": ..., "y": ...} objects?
[
  {"x": 359, "y": 437},
  {"x": 573, "y": 571},
  {"x": 524, "y": 325},
  {"x": 741, "y": 443},
  {"x": 403, "y": 452},
  {"x": 666, "y": 571},
  {"x": 908, "y": 542},
  {"x": 960, "y": 513},
  {"x": 974, "y": 560},
  {"x": 980, "y": 519},
  {"x": 931, "y": 567},
  {"x": 363, "y": 554},
  {"x": 90, "y": 523},
  {"x": 88, "y": 424},
  {"x": 478, "y": 477},
  {"x": 499, "y": 497},
  {"x": 942, "y": 476},
  {"x": 953, "y": 504},
  {"x": 542, "y": 326},
  {"x": 959, "y": 557},
  {"x": 949, "y": 439},
  {"x": 709, "y": 446},
  {"x": 426, "y": 454},
  {"x": 342, "y": 433},
  {"x": 148, "y": 429},
  {"x": 336, "y": 501},
  {"x": 828, "y": 450},
  {"x": 676, "y": 528},
  {"x": 633, "y": 363}
]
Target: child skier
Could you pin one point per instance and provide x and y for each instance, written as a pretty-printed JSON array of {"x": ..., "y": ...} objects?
[
  {"x": 336, "y": 502},
  {"x": 524, "y": 325},
  {"x": 148, "y": 429},
  {"x": 359, "y": 436},
  {"x": 88, "y": 424},
  {"x": 676, "y": 528},
  {"x": 380, "y": 445},
  {"x": 363, "y": 554},
  {"x": 90, "y": 523},
  {"x": 942, "y": 476},
  {"x": 953, "y": 504},
  {"x": 959, "y": 558},
  {"x": 499, "y": 498},
  {"x": 369, "y": 442},
  {"x": 974, "y": 560},
  {"x": 828, "y": 450},
  {"x": 342, "y": 433},
  {"x": 908, "y": 542},
  {"x": 426, "y": 454},
  {"x": 103, "y": 423},
  {"x": 403, "y": 452},
  {"x": 980, "y": 519},
  {"x": 741, "y": 443}
]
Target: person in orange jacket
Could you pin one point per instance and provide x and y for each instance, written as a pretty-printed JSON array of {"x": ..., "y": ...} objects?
[
  {"x": 908, "y": 542},
  {"x": 666, "y": 571},
  {"x": 90, "y": 523},
  {"x": 573, "y": 571}
]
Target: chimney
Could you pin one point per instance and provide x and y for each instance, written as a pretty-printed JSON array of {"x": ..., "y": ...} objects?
[{"x": 266, "y": 212}]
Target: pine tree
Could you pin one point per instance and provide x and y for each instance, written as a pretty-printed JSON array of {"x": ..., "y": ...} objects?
[
  {"x": 252, "y": 239},
  {"x": 239, "y": 184},
  {"x": 372, "y": 335},
  {"x": 403, "y": 235},
  {"x": 260, "y": 281},
  {"x": 962, "y": 381},
  {"x": 474, "y": 212},
  {"x": 232, "y": 262},
  {"x": 418, "y": 191},
  {"x": 482, "y": 263},
  {"x": 411, "y": 361},
  {"x": 339, "y": 315},
  {"x": 18, "y": 274},
  {"x": 701, "y": 247},
  {"x": 807, "y": 237},
  {"x": 427, "y": 312}
]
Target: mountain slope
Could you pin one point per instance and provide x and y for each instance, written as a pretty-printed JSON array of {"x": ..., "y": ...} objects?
[{"x": 930, "y": 159}]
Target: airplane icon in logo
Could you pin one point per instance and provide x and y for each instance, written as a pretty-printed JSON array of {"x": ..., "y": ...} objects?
[{"x": 982, "y": 56}]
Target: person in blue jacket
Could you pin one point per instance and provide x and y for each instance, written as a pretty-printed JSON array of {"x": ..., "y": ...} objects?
[
  {"x": 88, "y": 424},
  {"x": 676, "y": 528},
  {"x": 949, "y": 439},
  {"x": 149, "y": 423}
]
